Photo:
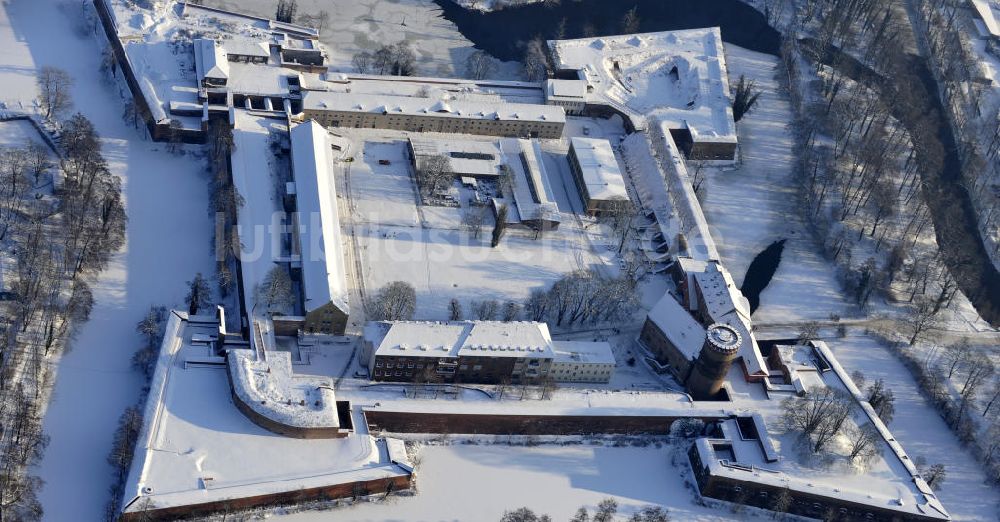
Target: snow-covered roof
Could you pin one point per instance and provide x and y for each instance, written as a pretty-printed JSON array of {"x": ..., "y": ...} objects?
[
  {"x": 679, "y": 326},
  {"x": 568, "y": 90},
  {"x": 466, "y": 157},
  {"x": 724, "y": 303},
  {"x": 532, "y": 193},
  {"x": 678, "y": 77},
  {"x": 583, "y": 352},
  {"x": 390, "y": 104},
  {"x": 323, "y": 274},
  {"x": 210, "y": 60},
  {"x": 599, "y": 168},
  {"x": 461, "y": 338},
  {"x": 245, "y": 47},
  {"x": 988, "y": 15}
]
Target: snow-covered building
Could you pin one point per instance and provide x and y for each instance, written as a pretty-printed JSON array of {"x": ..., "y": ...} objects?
[
  {"x": 676, "y": 330},
  {"x": 197, "y": 454},
  {"x": 568, "y": 94},
  {"x": 416, "y": 114},
  {"x": 582, "y": 361},
  {"x": 534, "y": 201},
  {"x": 247, "y": 51},
  {"x": 486, "y": 352},
  {"x": 596, "y": 173},
  {"x": 676, "y": 78},
  {"x": 210, "y": 63},
  {"x": 466, "y": 158},
  {"x": 317, "y": 231}
]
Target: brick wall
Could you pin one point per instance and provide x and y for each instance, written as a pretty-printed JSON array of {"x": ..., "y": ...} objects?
[{"x": 409, "y": 422}]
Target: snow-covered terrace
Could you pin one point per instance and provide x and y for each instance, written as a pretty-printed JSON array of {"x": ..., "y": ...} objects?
[
  {"x": 675, "y": 77},
  {"x": 505, "y": 90},
  {"x": 394, "y": 104},
  {"x": 271, "y": 389},
  {"x": 195, "y": 447}
]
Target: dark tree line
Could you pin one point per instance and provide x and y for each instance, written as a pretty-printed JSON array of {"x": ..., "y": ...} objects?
[
  {"x": 583, "y": 297},
  {"x": 393, "y": 59}
]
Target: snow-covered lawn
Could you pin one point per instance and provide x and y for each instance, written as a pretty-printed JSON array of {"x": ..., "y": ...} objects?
[
  {"x": 168, "y": 241},
  {"x": 430, "y": 248},
  {"x": 470, "y": 482},
  {"x": 921, "y": 431},
  {"x": 755, "y": 204}
]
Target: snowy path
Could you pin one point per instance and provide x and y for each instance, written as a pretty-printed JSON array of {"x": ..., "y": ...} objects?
[{"x": 168, "y": 241}]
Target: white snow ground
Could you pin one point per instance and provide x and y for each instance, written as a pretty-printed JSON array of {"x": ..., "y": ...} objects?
[
  {"x": 168, "y": 241},
  {"x": 470, "y": 482}
]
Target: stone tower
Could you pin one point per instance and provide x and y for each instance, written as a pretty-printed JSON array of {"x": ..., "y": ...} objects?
[{"x": 722, "y": 343}]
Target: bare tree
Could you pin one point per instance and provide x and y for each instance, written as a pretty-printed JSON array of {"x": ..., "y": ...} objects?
[
  {"x": 864, "y": 441},
  {"x": 650, "y": 514},
  {"x": 745, "y": 96},
  {"x": 956, "y": 356},
  {"x": 535, "y": 63},
  {"x": 820, "y": 414},
  {"x": 500, "y": 226},
  {"x": 922, "y": 320},
  {"x": 473, "y": 218},
  {"x": 54, "y": 91},
  {"x": 630, "y": 22},
  {"x": 621, "y": 212},
  {"x": 511, "y": 311},
  {"x": 199, "y": 294},
  {"x": 396, "y": 301},
  {"x": 480, "y": 65},
  {"x": 434, "y": 174},
  {"x": 285, "y": 11},
  {"x": 606, "y": 510},
  {"x": 362, "y": 62},
  {"x": 980, "y": 370},
  {"x": 882, "y": 400},
  {"x": 275, "y": 291},
  {"x": 934, "y": 475},
  {"x": 454, "y": 310},
  {"x": 485, "y": 310}
]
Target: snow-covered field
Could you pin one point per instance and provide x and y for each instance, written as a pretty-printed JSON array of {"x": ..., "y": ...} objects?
[
  {"x": 921, "y": 431},
  {"x": 470, "y": 482},
  {"x": 168, "y": 241},
  {"x": 755, "y": 204}
]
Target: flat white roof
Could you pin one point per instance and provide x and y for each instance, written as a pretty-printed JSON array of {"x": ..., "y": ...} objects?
[
  {"x": 323, "y": 274},
  {"x": 467, "y": 157},
  {"x": 583, "y": 352},
  {"x": 408, "y": 105},
  {"x": 461, "y": 338},
  {"x": 246, "y": 47},
  {"x": 599, "y": 168},
  {"x": 569, "y": 89}
]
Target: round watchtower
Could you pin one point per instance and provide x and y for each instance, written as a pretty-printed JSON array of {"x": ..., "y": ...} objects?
[{"x": 722, "y": 343}]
